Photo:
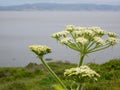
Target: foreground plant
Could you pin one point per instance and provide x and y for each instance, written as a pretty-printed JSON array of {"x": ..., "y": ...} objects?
[
  {"x": 78, "y": 75},
  {"x": 86, "y": 40},
  {"x": 40, "y": 51}
]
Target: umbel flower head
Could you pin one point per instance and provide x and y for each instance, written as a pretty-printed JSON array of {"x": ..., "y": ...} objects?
[
  {"x": 86, "y": 39},
  {"x": 81, "y": 74},
  {"x": 40, "y": 50}
]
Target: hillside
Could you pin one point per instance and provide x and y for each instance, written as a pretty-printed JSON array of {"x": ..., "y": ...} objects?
[{"x": 60, "y": 6}]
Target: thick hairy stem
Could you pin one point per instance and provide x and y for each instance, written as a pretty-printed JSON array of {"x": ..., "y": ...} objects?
[
  {"x": 52, "y": 73},
  {"x": 81, "y": 60}
]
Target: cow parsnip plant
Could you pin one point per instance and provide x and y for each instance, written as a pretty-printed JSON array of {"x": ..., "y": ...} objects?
[{"x": 84, "y": 40}]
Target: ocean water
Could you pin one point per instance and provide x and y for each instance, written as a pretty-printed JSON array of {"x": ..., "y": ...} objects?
[{"x": 19, "y": 29}]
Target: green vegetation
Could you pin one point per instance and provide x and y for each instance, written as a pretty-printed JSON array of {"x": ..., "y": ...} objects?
[{"x": 36, "y": 77}]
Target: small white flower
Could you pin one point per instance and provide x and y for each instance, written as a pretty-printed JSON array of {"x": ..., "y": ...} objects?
[
  {"x": 63, "y": 33},
  {"x": 99, "y": 31},
  {"x": 89, "y": 32},
  {"x": 82, "y": 40},
  {"x": 78, "y": 32},
  {"x": 66, "y": 40},
  {"x": 113, "y": 40},
  {"x": 112, "y": 34},
  {"x": 70, "y": 28},
  {"x": 99, "y": 40},
  {"x": 54, "y": 35},
  {"x": 84, "y": 31},
  {"x": 58, "y": 34}
]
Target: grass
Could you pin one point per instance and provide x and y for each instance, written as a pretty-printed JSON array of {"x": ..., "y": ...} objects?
[{"x": 36, "y": 77}]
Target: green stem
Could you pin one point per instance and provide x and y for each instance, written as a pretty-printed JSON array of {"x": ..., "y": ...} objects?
[
  {"x": 81, "y": 60},
  {"x": 90, "y": 45},
  {"x": 94, "y": 50},
  {"x": 72, "y": 47},
  {"x": 80, "y": 86},
  {"x": 52, "y": 73},
  {"x": 74, "y": 38}
]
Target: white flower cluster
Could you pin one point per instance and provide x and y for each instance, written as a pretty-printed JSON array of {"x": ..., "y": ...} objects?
[
  {"x": 70, "y": 28},
  {"x": 86, "y": 36},
  {"x": 66, "y": 40},
  {"x": 91, "y": 31},
  {"x": 113, "y": 40},
  {"x": 40, "y": 49},
  {"x": 81, "y": 73},
  {"x": 112, "y": 34},
  {"x": 59, "y": 34},
  {"x": 84, "y": 32},
  {"x": 99, "y": 31},
  {"x": 81, "y": 40},
  {"x": 99, "y": 40}
]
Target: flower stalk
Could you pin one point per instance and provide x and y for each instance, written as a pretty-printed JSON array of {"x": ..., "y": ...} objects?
[
  {"x": 52, "y": 72},
  {"x": 81, "y": 60}
]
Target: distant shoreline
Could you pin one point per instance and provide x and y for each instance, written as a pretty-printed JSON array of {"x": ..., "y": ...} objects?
[
  {"x": 61, "y": 7},
  {"x": 53, "y": 11}
]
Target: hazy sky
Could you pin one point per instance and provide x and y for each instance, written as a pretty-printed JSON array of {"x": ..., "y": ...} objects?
[{"x": 18, "y": 2}]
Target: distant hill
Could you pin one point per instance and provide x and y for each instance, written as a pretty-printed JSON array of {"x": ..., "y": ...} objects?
[{"x": 58, "y": 6}]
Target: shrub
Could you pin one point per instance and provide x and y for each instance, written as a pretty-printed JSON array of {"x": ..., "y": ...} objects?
[
  {"x": 23, "y": 73},
  {"x": 113, "y": 64}
]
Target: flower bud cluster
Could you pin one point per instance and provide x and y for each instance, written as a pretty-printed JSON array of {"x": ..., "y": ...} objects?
[
  {"x": 83, "y": 73},
  {"x": 40, "y": 49}
]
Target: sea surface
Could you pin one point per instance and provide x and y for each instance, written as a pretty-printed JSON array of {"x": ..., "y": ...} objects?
[{"x": 19, "y": 29}]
